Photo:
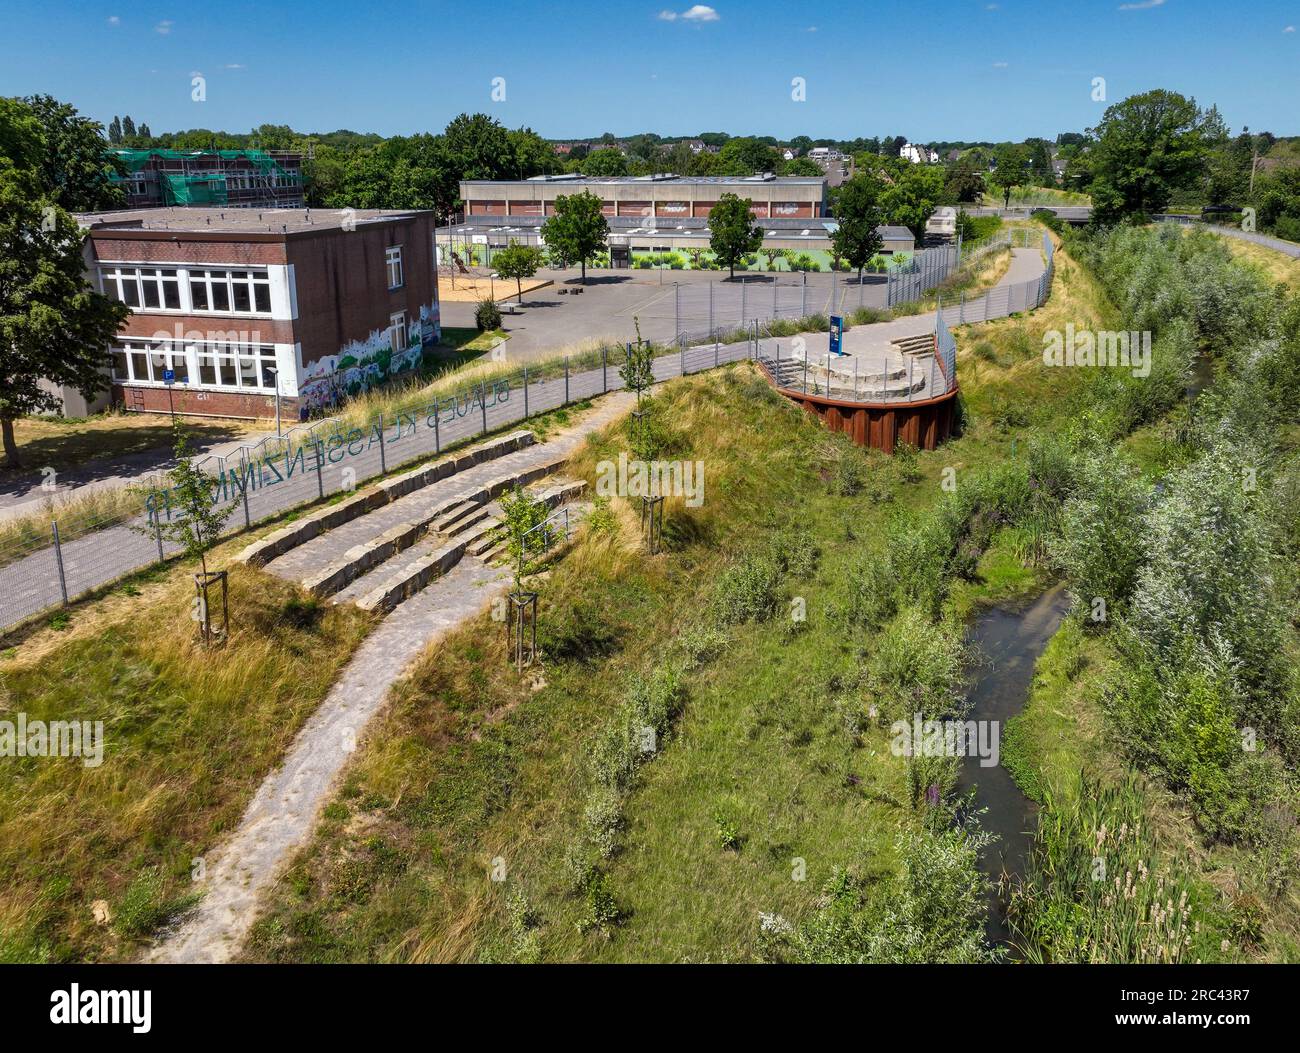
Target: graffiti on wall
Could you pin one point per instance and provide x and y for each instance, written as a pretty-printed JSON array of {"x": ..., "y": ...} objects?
[{"x": 366, "y": 364}]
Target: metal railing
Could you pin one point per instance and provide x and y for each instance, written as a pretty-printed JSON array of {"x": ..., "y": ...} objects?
[
  {"x": 896, "y": 376},
  {"x": 320, "y": 459}
]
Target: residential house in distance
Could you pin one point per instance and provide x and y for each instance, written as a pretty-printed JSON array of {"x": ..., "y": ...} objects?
[
  {"x": 231, "y": 306},
  {"x": 218, "y": 178},
  {"x": 918, "y": 155}
]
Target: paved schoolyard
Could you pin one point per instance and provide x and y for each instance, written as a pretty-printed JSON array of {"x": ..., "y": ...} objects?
[{"x": 553, "y": 317}]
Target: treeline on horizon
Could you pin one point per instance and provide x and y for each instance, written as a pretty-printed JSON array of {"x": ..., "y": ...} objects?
[{"x": 1150, "y": 152}]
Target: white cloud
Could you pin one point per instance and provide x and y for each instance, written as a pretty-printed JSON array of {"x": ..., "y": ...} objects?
[
  {"x": 811, "y": 29},
  {"x": 992, "y": 7},
  {"x": 698, "y": 13},
  {"x": 999, "y": 65},
  {"x": 164, "y": 27},
  {"x": 1141, "y": 5},
  {"x": 235, "y": 65},
  {"x": 1289, "y": 29},
  {"x": 113, "y": 20}
]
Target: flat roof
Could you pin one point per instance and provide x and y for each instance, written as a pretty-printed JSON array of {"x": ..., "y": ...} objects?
[
  {"x": 655, "y": 180},
  {"x": 238, "y": 220}
]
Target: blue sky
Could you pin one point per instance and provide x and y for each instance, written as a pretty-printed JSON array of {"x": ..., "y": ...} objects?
[{"x": 959, "y": 69}]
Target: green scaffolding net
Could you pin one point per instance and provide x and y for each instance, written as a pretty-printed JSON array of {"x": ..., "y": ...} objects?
[
  {"x": 193, "y": 189},
  {"x": 201, "y": 188}
]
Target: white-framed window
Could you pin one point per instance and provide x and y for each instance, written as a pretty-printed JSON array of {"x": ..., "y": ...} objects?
[
  {"x": 393, "y": 262},
  {"x": 243, "y": 367},
  {"x": 397, "y": 331},
  {"x": 230, "y": 291},
  {"x": 143, "y": 287}
]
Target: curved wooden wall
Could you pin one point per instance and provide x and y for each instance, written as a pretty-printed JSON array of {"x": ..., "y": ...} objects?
[{"x": 925, "y": 423}]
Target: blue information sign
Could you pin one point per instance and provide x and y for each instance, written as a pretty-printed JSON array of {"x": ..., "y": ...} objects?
[
  {"x": 837, "y": 332},
  {"x": 169, "y": 376}
]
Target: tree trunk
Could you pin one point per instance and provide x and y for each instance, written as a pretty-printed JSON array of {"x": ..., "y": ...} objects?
[
  {"x": 10, "y": 444},
  {"x": 732, "y": 265},
  {"x": 519, "y": 285},
  {"x": 584, "y": 270}
]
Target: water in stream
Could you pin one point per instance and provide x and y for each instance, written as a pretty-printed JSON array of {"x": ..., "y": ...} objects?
[{"x": 1008, "y": 643}]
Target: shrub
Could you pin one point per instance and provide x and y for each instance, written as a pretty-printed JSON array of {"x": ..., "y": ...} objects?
[
  {"x": 487, "y": 316},
  {"x": 747, "y": 590},
  {"x": 917, "y": 667},
  {"x": 934, "y": 911}
]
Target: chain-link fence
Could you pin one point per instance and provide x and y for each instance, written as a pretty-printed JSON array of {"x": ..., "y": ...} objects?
[
  {"x": 47, "y": 563},
  {"x": 885, "y": 375}
]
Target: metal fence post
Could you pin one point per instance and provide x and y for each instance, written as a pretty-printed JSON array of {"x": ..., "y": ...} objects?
[
  {"x": 604, "y": 369},
  {"x": 681, "y": 352},
  {"x": 383, "y": 457},
  {"x": 248, "y": 477},
  {"x": 58, "y": 559},
  {"x": 803, "y": 296},
  {"x": 566, "y": 380},
  {"x": 677, "y": 307},
  {"x": 320, "y": 458},
  {"x": 525, "y": 392},
  {"x": 710, "y": 305},
  {"x": 743, "y": 283},
  {"x": 482, "y": 401},
  {"x": 157, "y": 536}
]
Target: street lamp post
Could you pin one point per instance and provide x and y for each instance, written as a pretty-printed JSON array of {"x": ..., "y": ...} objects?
[{"x": 275, "y": 377}]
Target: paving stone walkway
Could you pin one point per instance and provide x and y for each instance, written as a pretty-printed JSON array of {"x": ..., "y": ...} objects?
[{"x": 283, "y": 813}]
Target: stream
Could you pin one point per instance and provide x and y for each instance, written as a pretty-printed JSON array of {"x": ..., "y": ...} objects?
[{"x": 1008, "y": 643}]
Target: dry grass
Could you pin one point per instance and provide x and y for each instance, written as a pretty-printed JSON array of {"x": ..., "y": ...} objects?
[
  {"x": 67, "y": 442},
  {"x": 1277, "y": 266},
  {"x": 189, "y": 733}
]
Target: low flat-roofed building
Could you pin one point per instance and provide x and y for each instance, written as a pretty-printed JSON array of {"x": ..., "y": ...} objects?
[
  {"x": 229, "y": 306},
  {"x": 667, "y": 197},
  {"x": 630, "y": 236}
]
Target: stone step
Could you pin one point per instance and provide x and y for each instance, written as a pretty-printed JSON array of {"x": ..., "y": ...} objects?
[
  {"x": 459, "y": 518},
  {"x": 314, "y": 523},
  {"x": 451, "y": 524},
  {"x": 497, "y": 553},
  {"x": 483, "y": 537},
  {"x": 413, "y": 577}
]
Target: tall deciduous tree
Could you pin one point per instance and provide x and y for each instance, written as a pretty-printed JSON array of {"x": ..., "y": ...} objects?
[
  {"x": 606, "y": 162},
  {"x": 1145, "y": 148},
  {"x": 73, "y": 167},
  {"x": 578, "y": 230},
  {"x": 859, "y": 215},
  {"x": 1010, "y": 170},
  {"x": 53, "y": 326},
  {"x": 732, "y": 231}
]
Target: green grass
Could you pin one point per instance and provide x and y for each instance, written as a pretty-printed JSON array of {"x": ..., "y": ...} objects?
[
  {"x": 189, "y": 733},
  {"x": 467, "y": 768}
]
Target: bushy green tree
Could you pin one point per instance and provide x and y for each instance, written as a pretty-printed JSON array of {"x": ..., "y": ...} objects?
[
  {"x": 732, "y": 231},
  {"x": 518, "y": 262},
  {"x": 858, "y": 215},
  {"x": 578, "y": 230},
  {"x": 53, "y": 326},
  {"x": 1144, "y": 149}
]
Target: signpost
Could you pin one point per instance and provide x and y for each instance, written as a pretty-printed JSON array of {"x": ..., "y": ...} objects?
[
  {"x": 837, "y": 334},
  {"x": 169, "y": 378}
]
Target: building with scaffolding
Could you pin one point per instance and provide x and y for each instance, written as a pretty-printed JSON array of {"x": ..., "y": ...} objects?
[{"x": 211, "y": 178}]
